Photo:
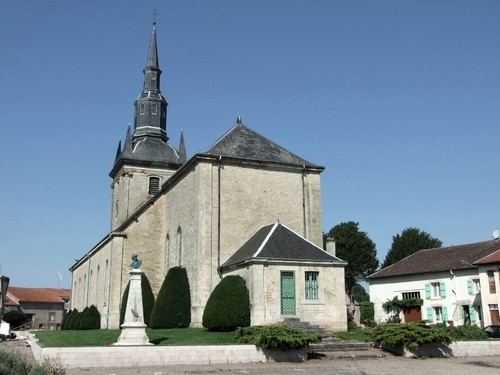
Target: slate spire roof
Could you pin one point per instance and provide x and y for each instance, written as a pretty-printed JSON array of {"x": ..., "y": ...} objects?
[
  {"x": 147, "y": 144},
  {"x": 276, "y": 242},
  {"x": 458, "y": 257},
  {"x": 244, "y": 143}
]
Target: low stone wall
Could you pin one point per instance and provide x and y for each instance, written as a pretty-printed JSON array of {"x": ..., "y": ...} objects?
[
  {"x": 455, "y": 349},
  {"x": 125, "y": 356}
]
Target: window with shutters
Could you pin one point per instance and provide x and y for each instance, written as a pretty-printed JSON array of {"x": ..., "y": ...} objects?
[
  {"x": 435, "y": 290},
  {"x": 438, "y": 313},
  {"x": 312, "y": 285},
  {"x": 154, "y": 185},
  {"x": 476, "y": 286}
]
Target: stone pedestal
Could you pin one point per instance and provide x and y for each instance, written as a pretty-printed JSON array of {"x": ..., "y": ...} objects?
[{"x": 133, "y": 327}]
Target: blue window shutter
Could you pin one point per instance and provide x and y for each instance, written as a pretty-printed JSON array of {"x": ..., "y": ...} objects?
[
  {"x": 430, "y": 315},
  {"x": 472, "y": 314},
  {"x": 469, "y": 287},
  {"x": 445, "y": 313},
  {"x": 427, "y": 291},
  {"x": 442, "y": 289}
]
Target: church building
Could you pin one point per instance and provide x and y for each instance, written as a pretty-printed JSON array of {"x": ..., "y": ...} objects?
[{"x": 246, "y": 206}]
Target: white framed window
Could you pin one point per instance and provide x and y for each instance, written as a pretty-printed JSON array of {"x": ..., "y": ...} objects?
[
  {"x": 438, "y": 313},
  {"x": 435, "y": 290},
  {"x": 476, "y": 285},
  {"x": 311, "y": 286}
]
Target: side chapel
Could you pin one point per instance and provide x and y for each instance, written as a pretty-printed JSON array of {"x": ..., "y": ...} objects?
[{"x": 245, "y": 206}]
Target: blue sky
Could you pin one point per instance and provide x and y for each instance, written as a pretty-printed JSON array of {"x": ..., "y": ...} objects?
[{"x": 399, "y": 100}]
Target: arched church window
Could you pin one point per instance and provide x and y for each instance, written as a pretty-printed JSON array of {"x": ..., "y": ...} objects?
[
  {"x": 179, "y": 244},
  {"x": 154, "y": 108},
  {"x": 142, "y": 108},
  {"x": 167, "y": 253},
  {"x": 154, "y": 185}
]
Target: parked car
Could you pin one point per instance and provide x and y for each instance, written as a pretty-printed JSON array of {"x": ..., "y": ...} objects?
[
  {"x": 492, "y": 331},
  {"x": 10, "y": 336}
]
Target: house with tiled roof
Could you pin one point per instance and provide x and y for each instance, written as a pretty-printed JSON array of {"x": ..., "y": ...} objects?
[
  {"x": 210, "y": 213},
  {"x": 457, "y": 284},
  {"x": 44, "y": 308}
]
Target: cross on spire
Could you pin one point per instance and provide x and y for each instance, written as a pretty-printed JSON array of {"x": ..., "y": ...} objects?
[{"x": 155, "y": 13}]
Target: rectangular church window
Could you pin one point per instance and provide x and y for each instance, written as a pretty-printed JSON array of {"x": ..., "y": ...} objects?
[{"x": 312, "y": 285}]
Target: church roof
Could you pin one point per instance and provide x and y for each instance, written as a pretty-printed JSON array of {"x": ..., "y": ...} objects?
[
  {"x": 277, "y": 242},
  {"x": 457, "y": 257},
  {"x": 244, "y": 143}
]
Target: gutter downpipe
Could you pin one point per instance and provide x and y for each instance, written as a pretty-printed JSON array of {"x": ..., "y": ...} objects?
[
  {"x": 304, "y": 200},
  {"x": 219, "y": 167}
]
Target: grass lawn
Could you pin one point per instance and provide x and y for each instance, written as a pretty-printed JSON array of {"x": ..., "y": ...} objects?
[{"x": 105, "y": 337}]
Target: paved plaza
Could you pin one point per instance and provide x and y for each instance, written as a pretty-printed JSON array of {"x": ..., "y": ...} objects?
[{"x": 386, "y": 365}]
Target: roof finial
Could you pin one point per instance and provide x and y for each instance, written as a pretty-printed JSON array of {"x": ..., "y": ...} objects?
[
  {"x": 155, "y": 13},
  {"x": 238, "y": 120}
]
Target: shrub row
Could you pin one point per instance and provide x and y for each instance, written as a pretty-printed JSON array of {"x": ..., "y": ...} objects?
[{"x": 89, "y": 318}]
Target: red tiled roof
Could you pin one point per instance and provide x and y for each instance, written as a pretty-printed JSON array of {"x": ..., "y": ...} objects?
[
  {"x": 458, "y": 257},
  {"x": 492, "y": 258},
  {"x": 48, "y": 295}
]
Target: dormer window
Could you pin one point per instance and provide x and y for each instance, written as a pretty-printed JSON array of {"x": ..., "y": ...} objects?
[{"x": 154, "y": 185}]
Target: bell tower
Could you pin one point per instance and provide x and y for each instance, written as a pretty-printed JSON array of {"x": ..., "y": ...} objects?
[{"x": 146, "y": 160}]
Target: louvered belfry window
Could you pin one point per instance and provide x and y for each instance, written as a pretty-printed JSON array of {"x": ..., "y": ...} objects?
[{"x": 154, "y": 185}]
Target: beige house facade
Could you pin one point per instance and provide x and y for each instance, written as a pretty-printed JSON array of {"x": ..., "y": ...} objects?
[{"x": 198, "y": 212}]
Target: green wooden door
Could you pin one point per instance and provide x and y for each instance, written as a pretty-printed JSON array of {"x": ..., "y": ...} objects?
[{"x": 287, "y": 293}]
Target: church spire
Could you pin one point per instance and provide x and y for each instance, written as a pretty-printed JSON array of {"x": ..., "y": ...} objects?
[{"x": 151, "y": 106}]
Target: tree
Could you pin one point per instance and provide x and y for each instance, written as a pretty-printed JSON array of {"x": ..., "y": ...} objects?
[
  {"x": 408, "y": 242},
  {"x": 359, "y": 293},
  {"x": 357, "y": 249},
  {"x": 172, "y": 308}
]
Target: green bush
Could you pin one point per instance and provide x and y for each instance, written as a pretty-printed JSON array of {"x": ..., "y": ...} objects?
[
  {"x": 228, "y": 307},
  {"x": 367, "y": 314},
  {"x": 14, "y": 318},
  {"x": 277, "y": 336},
  {"x": 90, "y": 319},
  {"x": 72, "y": 321},
  {"x": 411, "y": 335},
  {"x": 172, "y": 308},
  {"x": 13, "y": 363},
  {"x": 148, "y": 300},
  {"x": 467, "y": 333}
]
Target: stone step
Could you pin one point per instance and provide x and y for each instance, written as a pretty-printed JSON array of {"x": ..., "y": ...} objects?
[{"x": 339, "y": 346}]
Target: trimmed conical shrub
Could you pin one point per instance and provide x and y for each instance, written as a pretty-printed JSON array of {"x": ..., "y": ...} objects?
[
  {"x": 148, "y": 300},
  {"x": 91, "y": 318},
  {"x": 228, "y": 307},
  {"x": 72, "y": 321},
  {"x": 172, "y": 308}
]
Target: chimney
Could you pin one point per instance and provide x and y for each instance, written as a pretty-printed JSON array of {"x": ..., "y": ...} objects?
[{"x": 330, "y": 245}]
